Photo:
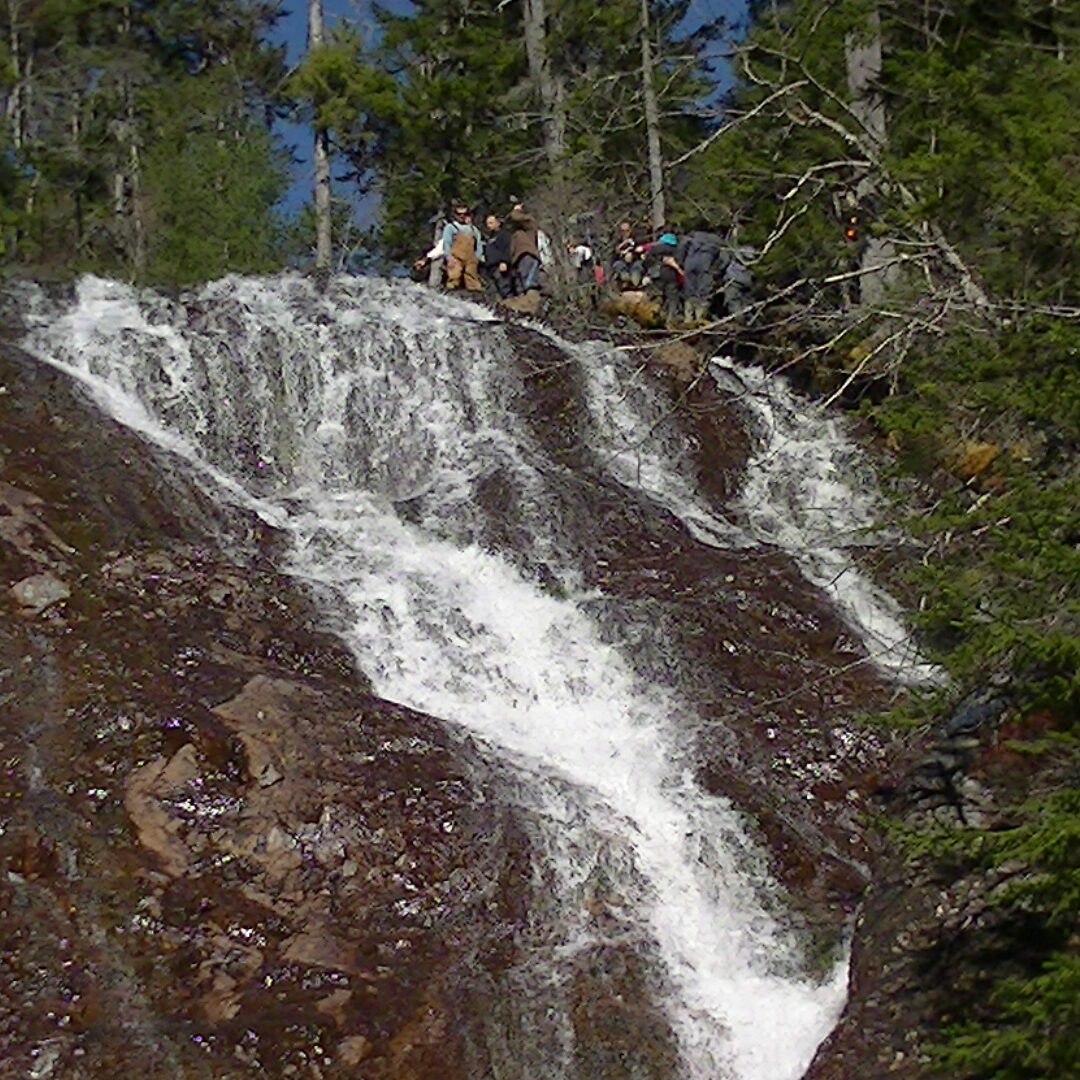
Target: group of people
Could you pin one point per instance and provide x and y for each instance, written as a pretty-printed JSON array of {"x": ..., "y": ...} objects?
[
  {"x": 693, "y": 276},
  {"x": 510, "y": 253}
]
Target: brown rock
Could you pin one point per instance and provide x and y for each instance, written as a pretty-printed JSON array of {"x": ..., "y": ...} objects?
[
  {"x": 258, "y": 714},
  {"x": 528, "y": 304},
  {"x": 334, "y": 1006},
  {"x": 635, "y": 305},
  {"x": 183, "y": 767},
  {"x": 320, "y": 948},
  {"x": 156, "y": 827},
  {"x": 21, "y": 526},
  {"x": 682, "y": 359},
  {"x": 222, "y": 1001},
  {"x": 353, "y": 1049},
  {"x": 38, "y": 592}
]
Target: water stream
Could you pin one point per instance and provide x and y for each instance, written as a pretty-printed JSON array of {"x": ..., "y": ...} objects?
[{"x": 364, "y": 422}]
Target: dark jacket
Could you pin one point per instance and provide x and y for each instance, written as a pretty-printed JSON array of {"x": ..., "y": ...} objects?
[
  {"x": 497, "y": 249},
  {"x": 658, "y": 249},
  {"x": 737, "y": 270},
  {"x": 702, "y": 247}
]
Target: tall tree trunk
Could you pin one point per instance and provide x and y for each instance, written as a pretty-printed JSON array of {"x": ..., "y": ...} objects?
[
  {"x": 320, "y": 156},
  {"x": 19, "y": 104},
  {"x": 76, "y": 155},
  {"x": 863, "y": 50},
  {"x": 1059, "y": 41},
  {"x": 127, "y": 175},
  {"x": 15, "y": 104},
  {"x": 548, "y": 84},
  {"x": 136, "y": 195},
  {"x": 657, "y": 209}
]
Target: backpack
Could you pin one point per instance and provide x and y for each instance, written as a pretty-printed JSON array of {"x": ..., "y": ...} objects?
[{"x": 543, "y": 246}]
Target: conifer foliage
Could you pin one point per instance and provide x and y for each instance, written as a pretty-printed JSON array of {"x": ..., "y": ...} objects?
[
  {"x": 137, "y": 140},
  {"x": 908, "y": 172},
  {"x": 462, "y": 99}
]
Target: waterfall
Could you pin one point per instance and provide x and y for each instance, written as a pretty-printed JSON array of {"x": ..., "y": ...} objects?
[{"x": 371, "y": 424}]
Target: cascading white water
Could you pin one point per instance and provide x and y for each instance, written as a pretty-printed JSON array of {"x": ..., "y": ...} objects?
[
  {"x": 800, "y": 495},
  {"x": 362, "y": 422},
  {"x": 806, "y": 492}
]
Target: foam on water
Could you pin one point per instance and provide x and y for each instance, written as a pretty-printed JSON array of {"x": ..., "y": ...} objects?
[
  {"x": 808, "y": 492},
  {"x": 805, "y": 491},
  {"x": 325, "y": 413},
  {"x": 457, "y": 632}
]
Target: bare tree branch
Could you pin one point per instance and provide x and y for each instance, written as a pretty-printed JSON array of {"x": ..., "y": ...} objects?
[{"x": 760, "y": 107}]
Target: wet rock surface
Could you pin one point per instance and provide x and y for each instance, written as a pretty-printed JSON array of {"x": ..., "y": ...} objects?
[
  {"x": 220, "y": 855},
  {"x": 777, "y": 678},
  {"x": 223, "y": 856}
]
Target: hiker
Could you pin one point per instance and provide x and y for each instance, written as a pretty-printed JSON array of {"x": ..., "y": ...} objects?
[
  {"x": 583, "y": 260},
  {"x": 664, "y": 270},
  {"x": 420, "y": 269},
  {"x": 497, "y": 256},
  {"x": 627, "y": 267},
  {"x": 461, "y": 245},
  {"x": 544, "y": 249},
  {"x": 429, "y": 266},
  {"x": 524, "y": 250},
  {"x": 703, "y": 255},
  {"x": 738, "y": 280}
]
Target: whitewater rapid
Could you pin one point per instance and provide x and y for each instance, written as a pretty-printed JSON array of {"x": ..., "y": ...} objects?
[{"x": 360, "y": 423}]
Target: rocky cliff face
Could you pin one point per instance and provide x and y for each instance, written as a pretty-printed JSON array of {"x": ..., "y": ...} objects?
[
  {"x": 222, "y": 855},
  {"x": 933, "y": 935}
]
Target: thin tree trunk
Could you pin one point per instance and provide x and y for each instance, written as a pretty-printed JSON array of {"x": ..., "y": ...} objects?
[
  {"x": 136, "y": 201},
  {"x": 320, "y": 156},
  {"x": 1059, "y": 43},
  {"x": 76, "y": 154},
  {"x": 657, "y": 209},
  {"x": 15, "y": 105},
  {"x": 548, "y": 84},
  {"x": 19, "y": 104},
  {"x": 127, "y": 174},
  {"x": 863, "y": 51}
]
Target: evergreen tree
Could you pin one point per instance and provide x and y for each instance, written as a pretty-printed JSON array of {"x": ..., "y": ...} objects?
[
  {"x": 977, "y": 109},
  {"x": 969, "y": 170},
  {"x": 784, "y": 164},
  {"x": 600, "y": 51},
  {"x": 454, "y": 127},
  {"x": 986, "y": 101},
  {"x": 450, "y": 105},
  {"x": 211, "y": 179},
  {"x": 92, "y": 86}
]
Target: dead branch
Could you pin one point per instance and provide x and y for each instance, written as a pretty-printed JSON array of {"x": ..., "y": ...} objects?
[
  {"x": 777, "y": 234},
  {"x": 758, "y": 108}
]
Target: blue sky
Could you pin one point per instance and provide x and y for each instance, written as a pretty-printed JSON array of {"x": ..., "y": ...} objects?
[{"x": 292, "y": 30}]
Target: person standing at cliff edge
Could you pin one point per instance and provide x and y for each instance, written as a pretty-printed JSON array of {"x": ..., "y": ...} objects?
[
  {"x": 462, "y": 244},
  {"x": 497, "y": 259},
  {"x": 525, "y": 258}
]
